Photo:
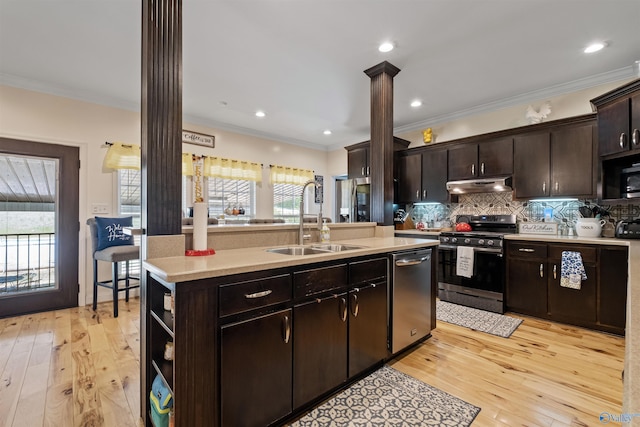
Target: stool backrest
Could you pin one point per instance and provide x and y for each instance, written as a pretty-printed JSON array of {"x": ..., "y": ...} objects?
[{"x": 93, "y": 228}]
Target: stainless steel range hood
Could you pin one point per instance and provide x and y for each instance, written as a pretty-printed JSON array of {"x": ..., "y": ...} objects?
[{"x": 480, "y": 185}]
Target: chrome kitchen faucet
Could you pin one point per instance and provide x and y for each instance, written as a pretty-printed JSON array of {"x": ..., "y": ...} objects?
[{"x": 303, "y": 236}]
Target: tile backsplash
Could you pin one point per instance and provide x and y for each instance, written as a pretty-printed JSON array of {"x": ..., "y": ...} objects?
[{"x": 503, "y": 204}]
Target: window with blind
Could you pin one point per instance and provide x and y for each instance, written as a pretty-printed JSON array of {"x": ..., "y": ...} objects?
[
  {"x": 286, "y": 201},
  {"x": 229, "y": 193}
]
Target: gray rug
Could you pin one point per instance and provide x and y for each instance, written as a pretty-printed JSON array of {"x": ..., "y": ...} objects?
[
  {"x": 389, "y": 397},
  {"x": 479, "y": 320}
]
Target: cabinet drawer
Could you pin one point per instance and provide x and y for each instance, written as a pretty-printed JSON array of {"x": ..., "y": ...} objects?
[
  {"x": 310, "y": 282},
  {"x": 245, "y": 296},
  {"x": 527, "y": 250},
  {"x": 588, "y": 253},
  {"x": 368, "y": 271}
]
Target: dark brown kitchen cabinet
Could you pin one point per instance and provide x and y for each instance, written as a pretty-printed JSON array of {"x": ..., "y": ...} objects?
[
  {"x": 255, "y": 366},
  {"x": 568, "y": 304},
  {"x": 488, "y": 158},
  {"x": 367, "y": 314},
  {"x": 534, "y": 272},
  {"x": 422, "y": 177},
  {"x": 555, "y": 163},
  {"x": 358, "y": 161},
  {"x": 619, "y": 120},
  {"x": 320, "y": 347},
  {"x": 527, "y": 278}
]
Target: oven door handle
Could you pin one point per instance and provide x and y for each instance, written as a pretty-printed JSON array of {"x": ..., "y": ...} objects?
[{"x": 496, "y": 251}]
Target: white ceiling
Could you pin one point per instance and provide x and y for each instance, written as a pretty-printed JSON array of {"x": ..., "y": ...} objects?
[{"x": 302, "y": 61}]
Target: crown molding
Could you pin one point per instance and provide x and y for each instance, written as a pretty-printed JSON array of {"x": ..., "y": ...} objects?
[{"x": 525, "y": 98}]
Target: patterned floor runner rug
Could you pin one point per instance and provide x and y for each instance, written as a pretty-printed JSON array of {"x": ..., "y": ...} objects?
[
  {"x": 389, "y": 397},
  {"x": 479, "y": 320}
]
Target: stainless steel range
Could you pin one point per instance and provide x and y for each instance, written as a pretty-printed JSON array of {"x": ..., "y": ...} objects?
[{"x": 479, "y": 281}]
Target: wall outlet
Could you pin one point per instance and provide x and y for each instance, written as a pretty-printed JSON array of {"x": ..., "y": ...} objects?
[{"x": 99, "y": 208}]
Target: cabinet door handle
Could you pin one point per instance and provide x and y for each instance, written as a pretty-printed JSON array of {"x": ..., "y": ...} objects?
[
  {"x": 526, "y": 250},
  {"x": 363, "y": 174},
  {"x": 473, "y": 169},
  {"x": 424, "y": 194},
  {"x": 635, "y": 137},
  {"x": 418, "y": 194},
  {"x": 623, "y": 140},
  {"x": 343, "y": 309},
  {"x": 541, "y": 270},
  {"x": 557, "y": 186},
  {"x": 355, "y": 307},
  {"x": 482, "y": 168},
  {"x": 258, "y": 294},
  {"x": 286, "y": 329},
  {"x": 368, "y": 171},
  {"x": 555, "y": 268},
  {"x": 544, "y": 187}
]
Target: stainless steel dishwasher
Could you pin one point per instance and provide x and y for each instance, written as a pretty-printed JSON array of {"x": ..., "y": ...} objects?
[{"x": 410, "y": 298}]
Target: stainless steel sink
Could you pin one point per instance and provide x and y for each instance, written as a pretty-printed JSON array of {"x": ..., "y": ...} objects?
[
  {"x": 319, "y": 248},
  {"x": 298, "y": 250},
  {"x": 335, "y": 247}
]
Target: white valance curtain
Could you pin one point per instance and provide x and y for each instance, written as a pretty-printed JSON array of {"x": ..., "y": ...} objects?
[
  {"x": 288, "y": 175},
  {"x": 122, "y": 156},
  {"x": 217, "y": 167}
]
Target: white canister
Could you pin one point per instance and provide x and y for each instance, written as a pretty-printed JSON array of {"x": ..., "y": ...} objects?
[{"x": 589, "y": 227}]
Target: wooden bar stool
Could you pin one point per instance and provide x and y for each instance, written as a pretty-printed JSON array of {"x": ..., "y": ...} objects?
[{"x": 114, "y": 254}]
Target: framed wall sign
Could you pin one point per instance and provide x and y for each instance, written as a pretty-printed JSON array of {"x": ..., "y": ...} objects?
[{"x": 198, "y": 138}]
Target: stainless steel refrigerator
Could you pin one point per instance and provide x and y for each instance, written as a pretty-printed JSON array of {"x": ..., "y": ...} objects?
[{"x": 354, "y": 200}]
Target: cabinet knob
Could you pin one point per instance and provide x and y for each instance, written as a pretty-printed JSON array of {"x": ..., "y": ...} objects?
[
  {"x": 541, "y": 270},
  {"x": 623, "y": 140},
  {"x": 635, "y": 137}
]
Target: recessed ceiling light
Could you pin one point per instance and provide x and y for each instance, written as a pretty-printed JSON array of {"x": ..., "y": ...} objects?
[
  {"x": 386, "y": 47},
  {"x": 416, "y": 103},
  {"x": 327, "y": 132},
  {"x": 594, "y": 47},
  {"x": 260, "y": 114}
]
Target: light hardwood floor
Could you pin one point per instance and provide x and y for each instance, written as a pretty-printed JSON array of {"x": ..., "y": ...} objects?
[{"x": 77, "y": 367}]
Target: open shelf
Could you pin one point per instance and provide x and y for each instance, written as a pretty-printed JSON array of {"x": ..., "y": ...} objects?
[
  {"x": 165, "y": 369},
  {"x": 165, "y": 319}
]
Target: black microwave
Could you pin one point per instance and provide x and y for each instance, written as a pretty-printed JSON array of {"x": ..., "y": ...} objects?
[{"x": 630, "y": 182}]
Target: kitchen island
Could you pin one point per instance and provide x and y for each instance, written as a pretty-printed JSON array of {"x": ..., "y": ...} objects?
[{"x": 245, "y": 309}]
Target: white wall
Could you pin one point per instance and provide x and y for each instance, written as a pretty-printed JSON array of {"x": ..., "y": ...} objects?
[{"x": 46, "y": 118}]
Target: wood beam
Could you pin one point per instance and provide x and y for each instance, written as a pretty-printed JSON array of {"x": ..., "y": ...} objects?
[{"x": 381, "y": 149}]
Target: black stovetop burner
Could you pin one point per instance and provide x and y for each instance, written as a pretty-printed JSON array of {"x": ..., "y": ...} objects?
[{"x": 490, "y": 225}]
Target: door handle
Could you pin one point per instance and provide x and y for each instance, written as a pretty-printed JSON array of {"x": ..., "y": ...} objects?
[
  {"x": 368, "y": 171},
  {"x": 526, "y": 250},
  {"x": 555, "y": 267},
  {"x": 418, "y": 194},
  {"x": 355, "y": 307},
  {"x": 541, "y": 270},
  {"x": 635, "y": 137},
  {"x": 482, "y": 168},
  {"x": 343, "y": 309},
  {"x": 557, "y": 186},
  {"x": 544, "y": 187},
  {"x": 363, "y": 174},
  {"x": 286, "y": 329},
  {"x": 623, "y": 140},
  {"x": 473, "y": 169},
  {"x": 424, "y": 194}
]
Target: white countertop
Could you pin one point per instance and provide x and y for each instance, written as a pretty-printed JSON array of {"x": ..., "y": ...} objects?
[{"x": 233, "y": 261}]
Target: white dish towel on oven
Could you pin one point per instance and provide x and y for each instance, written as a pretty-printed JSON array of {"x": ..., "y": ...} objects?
[{"x": 464, "y": 261}]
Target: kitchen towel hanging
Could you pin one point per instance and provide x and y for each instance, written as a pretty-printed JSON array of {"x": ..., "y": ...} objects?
[
  {"x": 572, "y": 271},
  {"x": 464, "y": 261}
]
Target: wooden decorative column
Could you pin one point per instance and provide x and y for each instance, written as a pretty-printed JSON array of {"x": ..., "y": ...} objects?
[
  {"x": 381, "y": 149},
  {"x": 161, "y": 146}
]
